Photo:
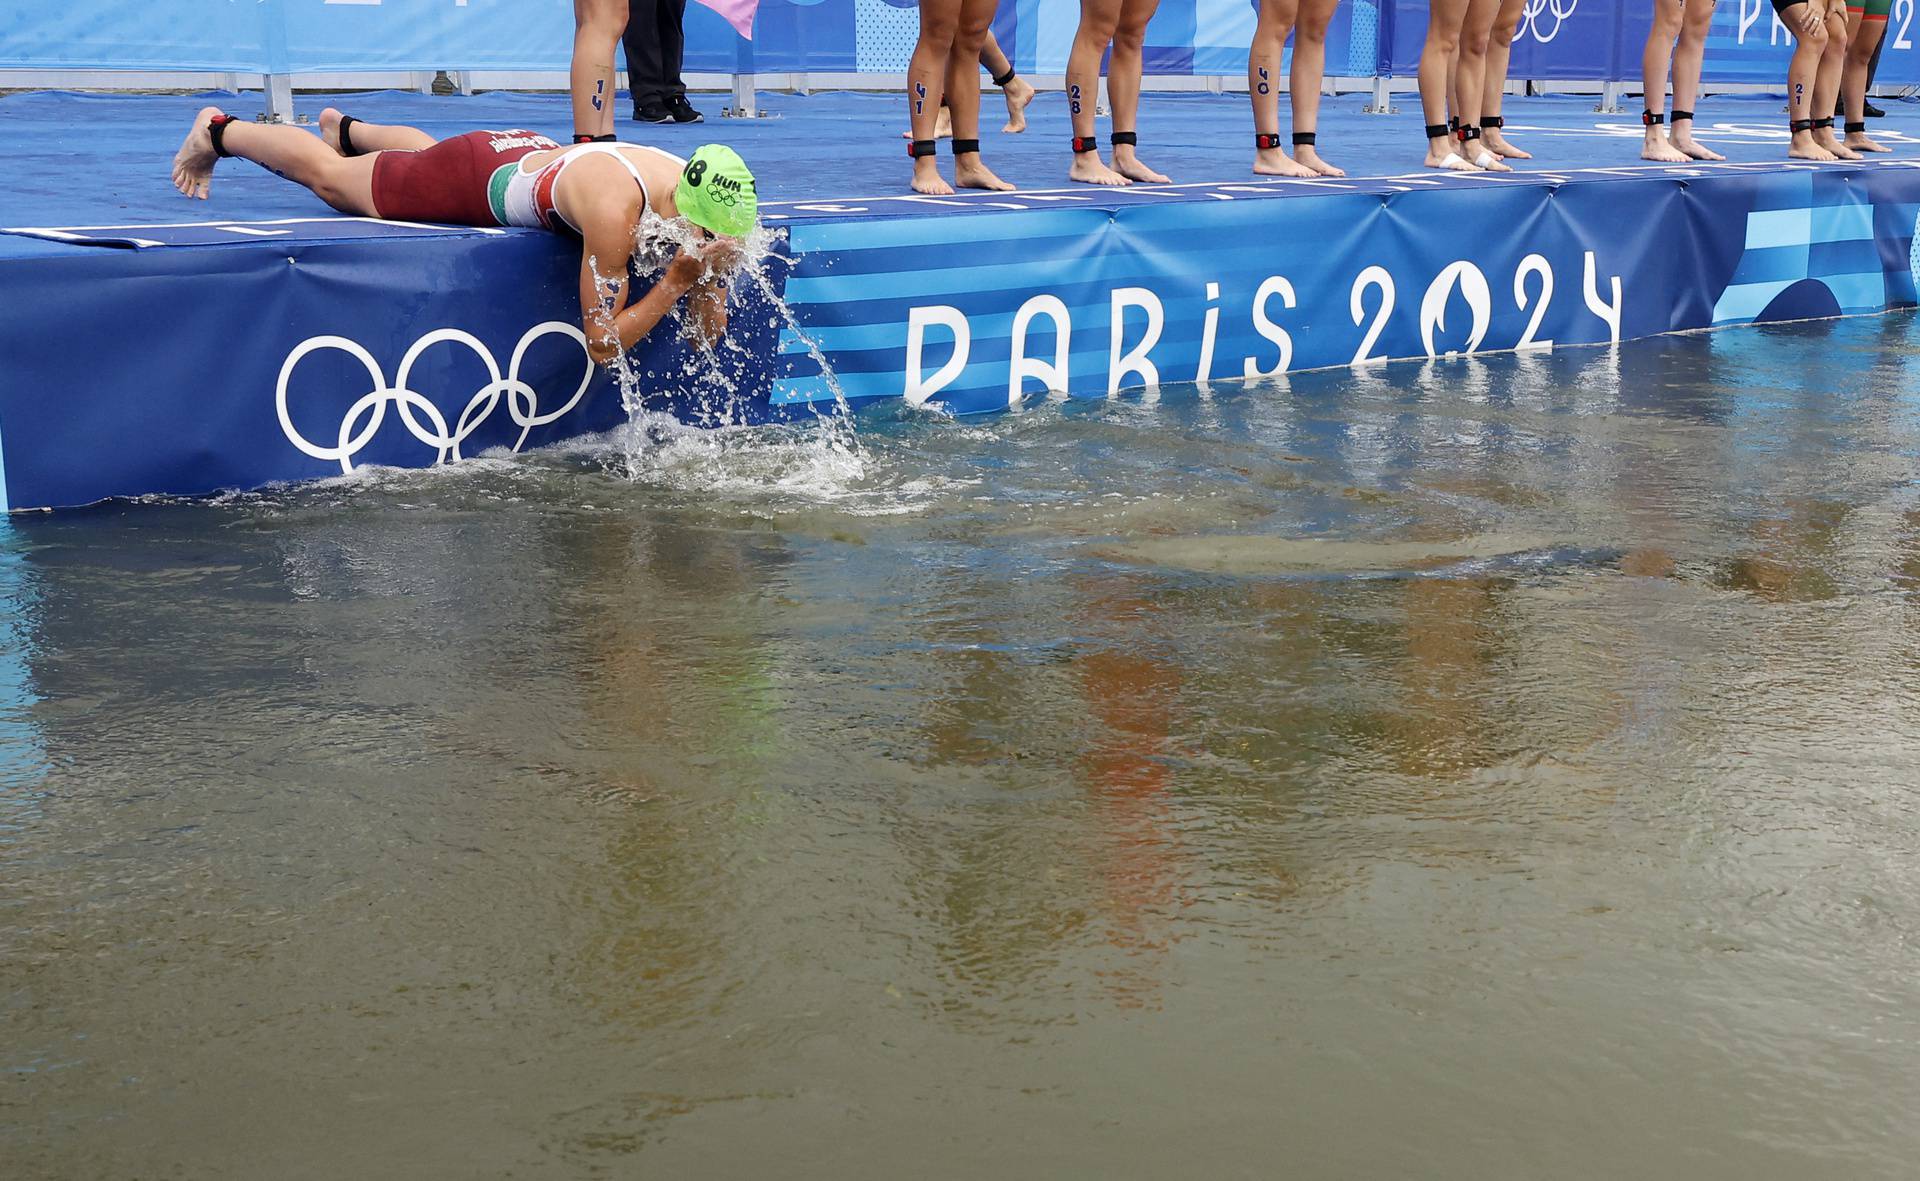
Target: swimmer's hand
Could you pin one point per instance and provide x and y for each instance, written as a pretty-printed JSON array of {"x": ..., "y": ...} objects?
[
  {"x": 686, "y": 269},
  {"x": 722, "y": 256},
  {"x": 1812, "y": 16}
]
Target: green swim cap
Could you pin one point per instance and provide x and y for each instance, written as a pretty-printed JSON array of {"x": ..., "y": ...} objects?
[{"x": 716, "y": 191}]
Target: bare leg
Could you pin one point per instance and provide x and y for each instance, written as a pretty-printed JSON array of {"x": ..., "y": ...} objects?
[
  {"x": 1810, "y": 42},
  {"x": 1826, "y": 85},
  {"x": 1098, "y": 21},
  {"x": 372, "y": 137},
  {"x": 1018, "y": 92},
  {"x": 1123, "y": 85},
  {"x": 1263, "y": 85},
  {"x": 1865, "y": 39},
  {"x": 963, "y": 97},
  {"x": 927, "y": 85},
  {"x": 1309, "y": 72},
  {"x": 1444, "y": 18},
  {"x": 291, "y": 152},
  {"x": 1499, "y": 55},
  {"x": 1470, "y": 82},
  {"x": 597, "y": 25},
  {"x": 1655, "y": 60},
  {"x": 1689, "y": 56}
]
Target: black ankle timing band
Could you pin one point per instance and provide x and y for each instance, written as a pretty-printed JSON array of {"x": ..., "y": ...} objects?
[
  {"x": 608, "y": 138},
  {"x": 346, "y": 136},
  {"x": 1001, "y": 80},
  {"x": 1468, "y": 133},
  {"x": 962, "y": 147},
  {"x": 1085, "y": 143},
  {"x": 1798, "y": 125},
  {"x": 1126, "y": 139},
  {"x": 1859, "y": 128},
  {"x": 1265, "y": 139},
  {"x": 920, "y": 147},
  {"x": 217, "y": 132},
  {"x": 1651, "y": 119},
  {"x": 1438, "y": 131},
  {"x": 1820, "y": 124},
  {"x": 1304, "y": 139},
  {"x": 1493, "y": 121},
  {"x": 1679, "y": 115}
]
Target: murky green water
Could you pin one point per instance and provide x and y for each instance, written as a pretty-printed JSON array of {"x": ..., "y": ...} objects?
[{"x": 1495, "y": 769}]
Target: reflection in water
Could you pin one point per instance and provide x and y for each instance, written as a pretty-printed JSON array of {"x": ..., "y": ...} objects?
[{"x": 1428, "y": 771}]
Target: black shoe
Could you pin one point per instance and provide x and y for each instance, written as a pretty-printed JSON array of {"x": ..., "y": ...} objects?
[
  {"x": 1873, "y": 112},
  {"x": 683, "y": 111},
  {"x": 653, "y": 113}
]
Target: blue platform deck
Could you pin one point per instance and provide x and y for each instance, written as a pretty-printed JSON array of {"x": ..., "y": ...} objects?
[{"x": 281, "y": 342}]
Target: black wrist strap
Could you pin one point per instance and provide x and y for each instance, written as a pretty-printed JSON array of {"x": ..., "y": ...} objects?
[
  {"x": 1304, "y": 139},
  {"x": 1679, "y": 115},
  {"x": 920, "y": 147},
  {"x": 1001, "y": 80},
  {"x": 962, "y": 147},
  {"x": 217, "y": 132},
  {"x": 1125, "y": 138},
  {"x": 346, "y": 136}
]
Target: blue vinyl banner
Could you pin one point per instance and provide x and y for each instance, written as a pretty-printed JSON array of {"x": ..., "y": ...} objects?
[{"x": 368, "y": 346}]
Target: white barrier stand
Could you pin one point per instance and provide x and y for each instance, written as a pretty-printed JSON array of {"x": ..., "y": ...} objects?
[
  {"x": 279, "y": 98},
  {"x": 1610, "y": 96},
  {"x": 742, "y": 107},
  {"x": 1382, "y": 101}
]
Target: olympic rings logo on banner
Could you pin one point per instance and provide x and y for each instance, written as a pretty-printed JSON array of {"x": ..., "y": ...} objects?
[
  {"x": 364, "y": 418},
  {"x": 1531, "y": 20}
]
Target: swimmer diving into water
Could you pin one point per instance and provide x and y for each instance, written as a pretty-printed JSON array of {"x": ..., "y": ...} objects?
[{"x": 597, "y": 192}]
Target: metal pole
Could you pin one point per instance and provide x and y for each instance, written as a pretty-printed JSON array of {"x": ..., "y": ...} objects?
[{"x": 279, "y": 98}]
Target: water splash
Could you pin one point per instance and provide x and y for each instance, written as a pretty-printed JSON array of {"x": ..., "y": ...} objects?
[{"x": 822, "y": 453}]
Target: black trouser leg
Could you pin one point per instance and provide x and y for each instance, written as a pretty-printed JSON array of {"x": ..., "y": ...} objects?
[
  {"x": 646, "y": 71},
  {"x": 673, "y": 45}
]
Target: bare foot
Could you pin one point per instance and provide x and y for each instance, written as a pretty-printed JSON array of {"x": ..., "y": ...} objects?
[
  {"x": 1274, "y": 162},
  {"x": 1127, "y": 164},
  {"x": 330, "y": 128},
  {"x": 193, "y": 163},
  {"x": 1309, "y": 157},
  {"x": 1860, "y": 142},
  {"x": 1018, "y": 94},
  {"x": 1826, "y": 139},
  {"x": 1694, "y": 150},
  {"x": 1803, "y": 148},
  {"x": 1448, "y": 160},
  {"x": 927, "y": 178},
  {"x": 1088, "y": 169},
  {"x": 1486, "y": 161},
  {"x": 970, "y": 173},
  {"x": 1660, "y": 151},
  {"x": 1498, "y": 145}
]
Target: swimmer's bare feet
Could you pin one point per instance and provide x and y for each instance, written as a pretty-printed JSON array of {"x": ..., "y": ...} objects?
[
  {"x": 1307, "y": 156},
  {"x": 193, "y": 163},
  {"x": 927, "y": 178},
  {"x": 1449, "y": 160},
  {"x": 330, "y": 128},
  {"x": 1657, "y": 149},
  {"x": 1486, "y": 161},
  {"x": 1683, "y": 140},
  {"x": 1276, "y": 162},
  {"x": 1018, "y": 94},
  {"x": 970, "y": 173},
  {"x": 1127, "y": 164},
  {"x": 1498, "y": 145},
  {"x": 1825, "y": 138},
  {"x": 1859, "y": 141},
  {"x": 1803, "y": 148},
  {"x": 1087, "y": 169}
]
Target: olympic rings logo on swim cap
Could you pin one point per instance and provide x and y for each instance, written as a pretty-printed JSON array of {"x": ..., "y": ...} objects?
[{"x": 364, "y": 418}]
